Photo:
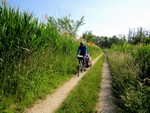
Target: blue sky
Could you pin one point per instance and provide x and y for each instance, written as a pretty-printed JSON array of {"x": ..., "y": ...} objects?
[{"x": 102, "y": 17}]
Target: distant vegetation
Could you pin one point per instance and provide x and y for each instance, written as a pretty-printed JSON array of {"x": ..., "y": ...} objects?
[
  {"x": 35, "y": 58},
  {"x": 135, "y": 37},
  {"x": 130, "y": 67},
  {"x": 129, "y": 60}
]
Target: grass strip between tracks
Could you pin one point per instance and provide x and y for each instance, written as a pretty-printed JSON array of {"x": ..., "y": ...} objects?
[{"x": 84, "y": 96}]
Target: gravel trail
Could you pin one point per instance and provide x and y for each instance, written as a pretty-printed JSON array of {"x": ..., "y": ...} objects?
[
  {"x": 106, "y": 102},
  {"x": 53, "y": 101}
]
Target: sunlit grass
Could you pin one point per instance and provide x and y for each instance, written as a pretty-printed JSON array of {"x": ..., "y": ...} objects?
[
  {"x": 84, "y": 97},
  {"x": 128, "y": 87}
]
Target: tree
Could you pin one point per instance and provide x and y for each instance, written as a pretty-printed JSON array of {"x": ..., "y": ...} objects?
[
  {"x": 138, "y": 36},
  {"x": 69, "y": 26},
  {"x": 88, "y": 36},
  {"x": 102, "y": 41},
  {"x": 105, "y": 42}
]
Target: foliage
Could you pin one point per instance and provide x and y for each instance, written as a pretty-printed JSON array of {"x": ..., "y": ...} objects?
[
  {"x": 15, "y": 28},
  {"x": 88, "y": 36},
  {"x": 139, "y": 36},
  {"x": 105, "y": 42},
  {"x": 126, "y": 48},
  {"x": 142, "y": 58},
  {"x": 102, "y": 42},
  {"x": 68, "y": 26},
  {"x": 130, "y": 89},
  {"x": 141, "y": 55},
  {"x": 84, "y": 97},
  {"x": 35, "y": 58},
  {"x": 135, "y": 37}
]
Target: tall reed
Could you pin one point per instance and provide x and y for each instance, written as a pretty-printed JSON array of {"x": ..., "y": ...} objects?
[
  {"x": 129, "y": 87},
  {"x": 35, "y": 58}
]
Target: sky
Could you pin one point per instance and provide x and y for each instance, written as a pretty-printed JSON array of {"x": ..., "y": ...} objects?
[{"x": 102, "y": 17}]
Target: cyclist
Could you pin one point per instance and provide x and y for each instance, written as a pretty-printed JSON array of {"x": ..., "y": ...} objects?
[{"x": 82, "y": 50}]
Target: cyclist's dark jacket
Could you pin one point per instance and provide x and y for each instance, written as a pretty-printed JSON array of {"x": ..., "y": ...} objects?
[{"x": 82, "y": 50}]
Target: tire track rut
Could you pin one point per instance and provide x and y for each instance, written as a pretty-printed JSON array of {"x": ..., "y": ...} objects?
[{"x": 106, "y": 102}]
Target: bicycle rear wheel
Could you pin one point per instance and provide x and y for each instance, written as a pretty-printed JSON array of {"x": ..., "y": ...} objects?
[{"x": 80, "y": 68}]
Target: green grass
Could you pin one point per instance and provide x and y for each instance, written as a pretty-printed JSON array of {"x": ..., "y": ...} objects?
[
  {"x": 129, "y": 88},
  {"x": 35, "y": 58},
  {"x": 84, "y": 97},
  {"x": 34, "y": 79}
]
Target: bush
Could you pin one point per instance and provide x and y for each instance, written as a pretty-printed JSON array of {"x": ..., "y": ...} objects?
[
  {"x": 129, "y": 88},
  {"x": 142, "y": 58}
]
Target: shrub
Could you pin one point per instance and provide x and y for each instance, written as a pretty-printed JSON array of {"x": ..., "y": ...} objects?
[
  {"x": 129, "y": 88},
  {"x": 142, "y": 58}
]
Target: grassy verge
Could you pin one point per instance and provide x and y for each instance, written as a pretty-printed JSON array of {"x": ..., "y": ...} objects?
[
  {"x": 37, "y": 78},
  {"x": 129, "y": 88},
  {"x": 84, "y": 97}
]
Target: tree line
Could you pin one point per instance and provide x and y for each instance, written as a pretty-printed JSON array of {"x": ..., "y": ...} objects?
[{"x": 134, "y": 37}]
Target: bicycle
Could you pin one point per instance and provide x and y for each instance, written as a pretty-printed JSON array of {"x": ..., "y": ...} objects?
[{"x": 81, "y": 65}]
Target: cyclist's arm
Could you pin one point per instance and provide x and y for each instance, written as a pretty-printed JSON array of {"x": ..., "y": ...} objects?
[{"x": 78, "y": 50}]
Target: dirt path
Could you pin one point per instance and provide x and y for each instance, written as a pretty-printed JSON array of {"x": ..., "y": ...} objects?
[
  {"x": 53, "y": 101},
  {"x": 106, "y": 102}
]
